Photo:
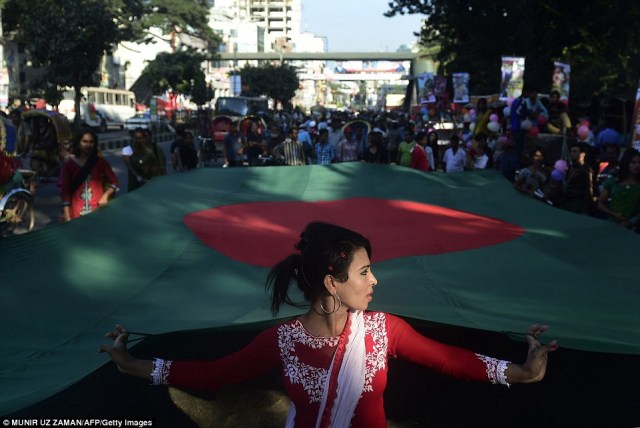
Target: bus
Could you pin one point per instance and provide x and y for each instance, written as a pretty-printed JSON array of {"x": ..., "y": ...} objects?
[{"x": 100, "y": 108}]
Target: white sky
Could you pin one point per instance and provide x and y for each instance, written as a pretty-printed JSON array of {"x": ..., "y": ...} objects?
[{"x": 358, "y": 25}]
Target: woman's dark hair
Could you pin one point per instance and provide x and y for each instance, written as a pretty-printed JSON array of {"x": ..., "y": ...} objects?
[
  {"x": 627, "y": 157},
  {"x": 75, "y": 148},
  {"x": 323, "y": 249}
]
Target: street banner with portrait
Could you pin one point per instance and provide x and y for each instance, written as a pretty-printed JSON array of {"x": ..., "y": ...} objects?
[
  {"x": 512, "y": 77},
  {"x": 426, "y": 88},
  {"x": 560, "y": 79},
  {"x": 635, "y": 140},
  {"x": 460, "y": 83}
]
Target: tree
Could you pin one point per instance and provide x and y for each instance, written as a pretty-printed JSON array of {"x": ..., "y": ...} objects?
[
  {"x": 69, "y": 37},
  {"x": 604, "y": 53},
  {"x": 279, "y": 82},
  {"x": 180, "y": 71}
]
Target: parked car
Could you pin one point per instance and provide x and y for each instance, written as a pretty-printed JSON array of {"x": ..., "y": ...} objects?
[{"x": 140, "y": 120}]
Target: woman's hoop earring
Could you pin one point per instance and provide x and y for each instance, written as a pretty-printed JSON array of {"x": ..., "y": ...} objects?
[{"x": 336, "y": 306}]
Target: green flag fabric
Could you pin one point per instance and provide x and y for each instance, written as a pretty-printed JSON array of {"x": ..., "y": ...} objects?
[{"x": 192, "y": 251}]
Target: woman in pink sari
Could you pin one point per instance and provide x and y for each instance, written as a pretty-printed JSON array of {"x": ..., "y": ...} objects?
[{"x": 334, "y": 358}]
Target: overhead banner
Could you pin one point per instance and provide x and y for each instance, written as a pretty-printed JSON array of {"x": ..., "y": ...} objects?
[
  {"x": 635, "y": 141},
  {"x": 460, "y": 87},
  {"x": 426, "y": 88},
  {"x": 512, "y": 77},
  {"x": 560, "y": 79}
]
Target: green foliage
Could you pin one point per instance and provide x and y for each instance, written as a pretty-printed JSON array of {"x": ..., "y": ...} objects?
[
  {"x": 599, "y": 39},
  {"x": 53, "y": 95},
  {"x": 279, "y": 82},
  {"x": 179, "y": 71},
  {"x": 67, "y": 37}
]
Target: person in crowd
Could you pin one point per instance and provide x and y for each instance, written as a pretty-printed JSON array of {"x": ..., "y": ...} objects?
[
  {"x": 480, "y": 159},
  {"x": 304, "y": 137},
  {"x": 578, "y": 192},
  {"x": 157, "y": 151},
  {"x": 620, "y": 196},
  {"x": 290, "y": 152},
  {"x": 482, "y": 117},
  {"x": 533, "y": 179},
  {"x": 454, "y": 158},
  {"x": 87, "y": 180},
  {"x": 324, "y": 153},
  {"x": 174, "y": 145},
  {"x": 347, "y": 150},
  {"x": 333, "y": 359},
  {"x": 433, "y": 150},
  {"x": 608, "y": 165},
  {"x": 393, "y": 140},
  {"x": 559, "y": 120},
  {"x": 422, "y": 156},
  {"x": 232, "y": 148},
  {"x": 406, "y": 148},
  {"x": 525, "y": 109},
  {"x": 335, "y": 132},
  {"x": 186, "y": 153},
  {"x": 254, "y": 142},
  {"x": 507, "y": 162},
  {"x": 377, "y": 150},
  {"x": 142, "y": 163}
]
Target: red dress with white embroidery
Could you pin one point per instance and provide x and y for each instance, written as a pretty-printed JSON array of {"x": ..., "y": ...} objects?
[{"x": 304, "y": 361}]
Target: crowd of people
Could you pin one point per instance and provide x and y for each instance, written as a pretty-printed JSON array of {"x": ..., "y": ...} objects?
[{"x": 531, "y": 140}]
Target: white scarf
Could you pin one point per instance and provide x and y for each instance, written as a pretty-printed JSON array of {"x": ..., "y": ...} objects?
[{"x": 350, "y": 379}]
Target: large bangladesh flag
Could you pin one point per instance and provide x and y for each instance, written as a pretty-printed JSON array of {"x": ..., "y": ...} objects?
[{"x": 192, "y": 251}]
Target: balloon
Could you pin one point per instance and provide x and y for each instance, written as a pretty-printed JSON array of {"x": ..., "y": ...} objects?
[
  {"x": 565, "y": 101},
  {"x": 425, "y": 118},
  {"x": 557, "y": 175},
  {"x": 583, "y": 132},
  {"x": 585, "y": 122},
  {"x": 472, "y": 113},
  {"x": 561, "y": 165},
  {"x": 467, "y": 118},
  {"x": 472, "y": 127},
  {"x": 542, "y": 119},
  {"x": 526, "y": 124},
  {"x": 493, "y": 127},
  {"x": 506, "y": 111},
  {"x": 432, "y": 112},
  {"x": 534, "y": 131},
  {"x": 493, "y": 117},
  {"x": 424, "y": 110},
  {"x": 509, "y": 101}
]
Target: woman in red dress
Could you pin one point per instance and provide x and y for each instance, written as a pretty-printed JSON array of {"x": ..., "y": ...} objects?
[
  {"x": 84, "y": 178},
  {"x": 334, "y": 358}
]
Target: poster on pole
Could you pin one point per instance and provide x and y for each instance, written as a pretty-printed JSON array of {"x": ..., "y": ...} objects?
[
  {"x": 426, "y": 88},
  {"x": 560, "y": 79},
  {"x": 635, "y": 140},
  {"x": 512, "y": 77},
  {"x": 460, "y": 83}
]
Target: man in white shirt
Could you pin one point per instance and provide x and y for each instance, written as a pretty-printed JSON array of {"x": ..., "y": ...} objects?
[{"x": 454, "y": 157}]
